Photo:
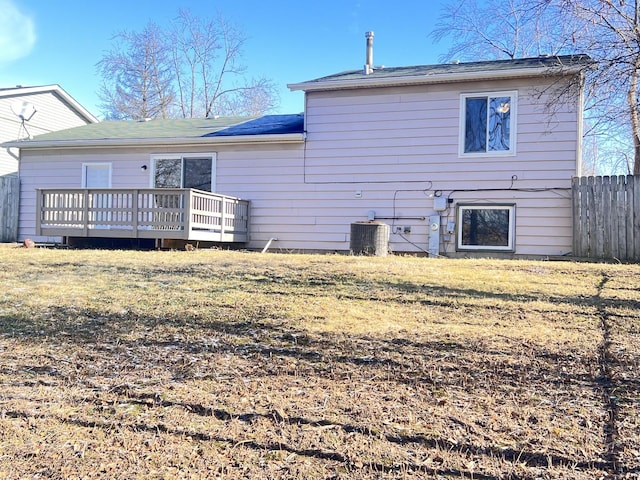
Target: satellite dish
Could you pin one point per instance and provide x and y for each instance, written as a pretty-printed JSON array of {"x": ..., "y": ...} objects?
[{"x": 23, "y": 110}]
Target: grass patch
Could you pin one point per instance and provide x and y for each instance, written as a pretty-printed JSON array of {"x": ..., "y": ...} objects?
[{"x": 213, "y": 364}]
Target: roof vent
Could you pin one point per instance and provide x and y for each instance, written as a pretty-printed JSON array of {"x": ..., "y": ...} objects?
[{"x": 368, "y": 66}]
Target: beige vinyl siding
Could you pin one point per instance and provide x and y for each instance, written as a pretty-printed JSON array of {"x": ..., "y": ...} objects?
[
  {"x": 388, "y": 140},
  {"x": 63, "y": 169},
  {"x": 52, "y": 114}
]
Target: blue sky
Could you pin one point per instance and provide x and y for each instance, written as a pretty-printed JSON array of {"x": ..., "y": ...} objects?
[{"x": 48, "y": 42}]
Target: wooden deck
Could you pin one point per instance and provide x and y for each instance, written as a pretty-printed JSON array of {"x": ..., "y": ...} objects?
[{"x": 183, "y": 214}]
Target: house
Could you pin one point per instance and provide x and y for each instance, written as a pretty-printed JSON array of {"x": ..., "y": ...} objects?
[
  {"x": 24, "y": 113},
  {"x": 453, "y": 159},
  {"x": 30, "y": 111}
]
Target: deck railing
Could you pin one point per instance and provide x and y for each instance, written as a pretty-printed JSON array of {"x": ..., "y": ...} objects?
[{"x": 165, "y": 213}]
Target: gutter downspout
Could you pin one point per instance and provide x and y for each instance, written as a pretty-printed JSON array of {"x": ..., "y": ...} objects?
[
  {"x": 580, "y": 132},
  {"x": 13, "y": 155}
]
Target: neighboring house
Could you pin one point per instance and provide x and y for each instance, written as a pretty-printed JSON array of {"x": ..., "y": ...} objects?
[
  {"x": 26, "y": 112},
  {"x": 45, "y": 109},
  {"x": 458, "y": 159}
]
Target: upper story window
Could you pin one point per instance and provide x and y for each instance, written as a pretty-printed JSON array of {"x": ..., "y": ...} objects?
[
  {"x": 487, "y": 123},
  {"x": 184, "y": 171}
]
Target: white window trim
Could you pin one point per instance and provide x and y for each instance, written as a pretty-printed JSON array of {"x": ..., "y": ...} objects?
[
  {"x": 513, "y": 94},
  {"x": 94, "y": 164},
  {"x": 182, "y": 156},
  {"x": 485, "y": 206}
]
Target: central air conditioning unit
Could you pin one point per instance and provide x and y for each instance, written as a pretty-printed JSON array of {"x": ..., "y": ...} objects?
[{"x": 370, "y": 238}]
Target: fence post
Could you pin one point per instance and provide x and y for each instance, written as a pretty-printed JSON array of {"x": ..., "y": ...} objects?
[
  {"x": 623, "y": 217},
  {"x": 577, "y": 224},
  {"x": 597, "y": 239},
  {"x": 605, "y": 211},
  {"x": 635, "y": 215},
  {"x": 590, "y": 215},
  {"x": 630, "y": 240}
]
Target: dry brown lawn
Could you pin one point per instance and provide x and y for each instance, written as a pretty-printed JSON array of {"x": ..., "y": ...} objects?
[{"x": 213, "y": 364}]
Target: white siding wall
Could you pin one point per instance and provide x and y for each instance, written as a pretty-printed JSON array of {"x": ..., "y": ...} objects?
[
  {"x": 52, "y": 115},
  {"x": 396, "y": 147}
]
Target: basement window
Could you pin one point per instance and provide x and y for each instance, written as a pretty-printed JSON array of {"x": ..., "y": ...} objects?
[
  {"x": 486, "y": 227},
  {"x": 487, "y": 124}
]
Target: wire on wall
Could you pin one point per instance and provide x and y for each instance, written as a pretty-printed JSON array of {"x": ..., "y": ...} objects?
[
  {"x": 394, "y": 217},
  {"x": 446, "y": 214},
  {"x": 557, "y": 190}
]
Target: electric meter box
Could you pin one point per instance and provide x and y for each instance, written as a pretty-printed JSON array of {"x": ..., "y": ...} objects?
[{"x": 440, "y": 203}]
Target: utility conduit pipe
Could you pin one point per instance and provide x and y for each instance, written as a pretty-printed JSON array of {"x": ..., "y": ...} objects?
[{"x": 266, "y": 247}]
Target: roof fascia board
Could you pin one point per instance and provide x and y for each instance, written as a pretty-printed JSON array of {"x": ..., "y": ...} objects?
[
  {"x": 17, "y": 91},
  {"x": 154, "y": 142},
  {"x": 434, "y": 78},
  {"x": 78, "y": 107}
]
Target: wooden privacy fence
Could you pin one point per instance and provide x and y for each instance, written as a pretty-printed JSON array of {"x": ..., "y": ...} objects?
[
  {"x": 606, "y": 217},
  {"x": 9, "y": 200}
]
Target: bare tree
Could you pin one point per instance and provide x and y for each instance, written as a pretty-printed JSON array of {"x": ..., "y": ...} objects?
[
  {"x": 249, "y": 101},
  {"x": 190, "y": 69},
  {"x": 610, "y": 33},
  {"x": 137, "y": 76},
  {"x": 210, "y": 78},
  {"x": 502, "y": 29},
  {"x": 606, "y": 30}
]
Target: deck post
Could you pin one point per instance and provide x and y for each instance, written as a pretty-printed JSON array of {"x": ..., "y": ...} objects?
[
  {"x": 187, "y": 202},
  {"x": 247, "y": 211},
  {"x": 85, "y": 213},
  {"x": 223, "y": 219},
  {"x": 134, "y": 211},
  {"x": 39, "y": 209}
]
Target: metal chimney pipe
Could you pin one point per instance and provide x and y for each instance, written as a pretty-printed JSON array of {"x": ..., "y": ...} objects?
[{"x": 368, "y": 67}]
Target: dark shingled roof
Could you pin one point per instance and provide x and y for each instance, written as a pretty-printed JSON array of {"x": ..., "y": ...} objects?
[
  {"x": 267, "y": 125},
  {"x": 184, "y": 128},
  {"x": 450, "y": 69}
]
